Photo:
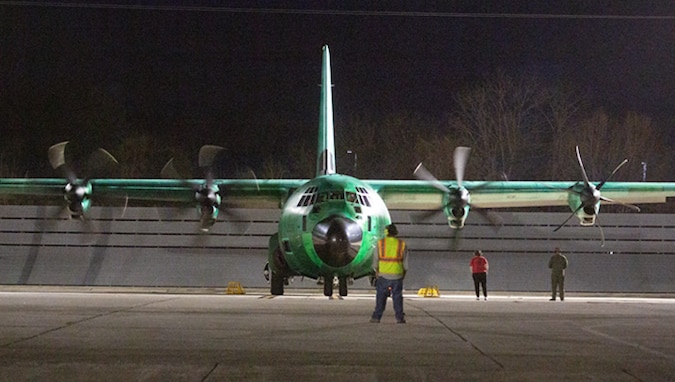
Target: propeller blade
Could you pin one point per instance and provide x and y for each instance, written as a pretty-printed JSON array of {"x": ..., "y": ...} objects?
[
  {"x": 427, "y": 215},
  {"x": 169, "y": 171},
  {"x": 581, "y": 164},
  {"x": 238, "y": 221},
  {"x": 57, "y": 158},
  {"x": 602, "y": 232},
  {"x": 209, "y": 177},
  {"x": 56, "y": 154},
  {"x": 126, "y": 204},
  {"x": 257, "y": 183},
  {"x": 613, "y": 172},
  {"x": 201, "y": 239},
  {"x": 570, "y": 217},
  {"x": 569, "y": 190},
  {"x": 229, "y": 210},
  {"x": 207, "y": 154},
  {"x": 460, "y": 159},
  {"x": 100, "y": 164},
  {"x": 631, "y": 206},
  {"x": 423, "y": 174},
  {"x": 456, "y": 238},
  {"x": 490, "y": 216}
]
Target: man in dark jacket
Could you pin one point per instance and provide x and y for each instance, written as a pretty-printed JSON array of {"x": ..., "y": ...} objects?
[{"x": 557, "y": 264}]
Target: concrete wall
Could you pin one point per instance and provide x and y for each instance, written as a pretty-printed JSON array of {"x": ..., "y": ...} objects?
[{"x": 161, "y": 247}]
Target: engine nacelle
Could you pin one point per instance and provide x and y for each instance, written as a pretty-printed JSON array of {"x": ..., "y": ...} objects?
[
  {"x": 209, "y": 202},
  {"x": 208, "y": 216},
  {"x": 585, "y": 214},
  {"x": 586, "y": 217},
  {"x": 457, "y": 205},
  {"x": 456, "y": 216},
  {"x": 78, "y": 198}
]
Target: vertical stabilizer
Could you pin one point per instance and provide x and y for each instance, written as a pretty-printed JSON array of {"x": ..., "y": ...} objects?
[{"x": 325, "y": 163}]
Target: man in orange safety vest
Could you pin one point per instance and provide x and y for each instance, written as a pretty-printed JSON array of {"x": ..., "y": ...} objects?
[{"x": 390, "y": 267}]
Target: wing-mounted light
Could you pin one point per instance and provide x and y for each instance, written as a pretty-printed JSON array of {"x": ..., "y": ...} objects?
[
  {"x": 456, "y": 202},
  {"x": 584, "y": 199},
  {"x": 77, "y": 192}
]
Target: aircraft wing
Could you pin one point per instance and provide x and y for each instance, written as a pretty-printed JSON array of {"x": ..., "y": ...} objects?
[
  {"x": 243, "y": 193},
  {"x": 397, "y": 194},
  {"x": 37, "y": 187},
  {"x": 421, "y": 195}
]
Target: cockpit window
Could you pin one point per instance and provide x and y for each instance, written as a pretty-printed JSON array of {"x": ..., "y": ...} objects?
[
  {"x": 308, "y": 197},
  {"x": 331, "y": 195},
  {"x": 350, "y": 196},
  {"x": 311, "y": 197},
  {"x": 363, "y": 196}
]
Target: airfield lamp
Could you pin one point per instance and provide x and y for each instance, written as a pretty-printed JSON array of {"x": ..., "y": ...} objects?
[{"x": 354, "y": 157}]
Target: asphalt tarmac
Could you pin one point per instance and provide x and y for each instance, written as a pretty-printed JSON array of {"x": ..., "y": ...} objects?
[{"x": 205, "y": 335}]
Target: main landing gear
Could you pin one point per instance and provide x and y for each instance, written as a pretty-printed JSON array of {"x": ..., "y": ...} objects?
[{"x": 277, "y": 281}]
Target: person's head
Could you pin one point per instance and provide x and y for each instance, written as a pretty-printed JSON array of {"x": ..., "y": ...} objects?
[
  {"x": 557, "y": 250},
  {"x": 391, "y": 230},
  {"x": 478, "y": 253}
]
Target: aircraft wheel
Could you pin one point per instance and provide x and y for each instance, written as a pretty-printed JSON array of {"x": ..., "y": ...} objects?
[
  {"x": 276, "y": 284},
  {"x": 343, "y": 286},
  {"x": 328, "y": 288}
]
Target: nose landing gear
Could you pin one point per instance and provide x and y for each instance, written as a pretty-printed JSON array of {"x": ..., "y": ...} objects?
[{"x": 340, "y": 282}]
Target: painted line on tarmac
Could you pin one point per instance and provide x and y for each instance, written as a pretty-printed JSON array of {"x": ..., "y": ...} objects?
[{"x": 627, "y": 343}]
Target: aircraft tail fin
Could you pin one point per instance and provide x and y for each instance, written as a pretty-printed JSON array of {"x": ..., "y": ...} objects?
[{"x": 325, "y": 163}]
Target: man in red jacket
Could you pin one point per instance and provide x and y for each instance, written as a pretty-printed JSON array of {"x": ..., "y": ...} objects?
[{"x": 479, "y": 269}]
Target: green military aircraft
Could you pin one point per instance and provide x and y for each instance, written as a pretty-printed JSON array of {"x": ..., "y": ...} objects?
[{"x": 330, "y": 224}]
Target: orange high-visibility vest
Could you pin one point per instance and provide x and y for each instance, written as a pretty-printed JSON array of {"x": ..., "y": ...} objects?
[{"x": 390, "y": 255}]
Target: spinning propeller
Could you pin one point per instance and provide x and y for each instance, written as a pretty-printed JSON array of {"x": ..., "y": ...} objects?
[
  {"x": 456, "y": 199},
  {"x": 208, "y": 195},
  {"x": 78, "y": 191},
  {"x": 589, "y": 197}
]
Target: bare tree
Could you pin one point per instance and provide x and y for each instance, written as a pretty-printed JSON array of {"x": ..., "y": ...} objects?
[
  {"x": 561, "y": 111},
  {"x": 386, "y": 147},
  {"x": 502, "y": 122},
  {"x": 142, "y": 156},
  {"x": 605, "y": 141},
  {"x": 436, "y": 153}
]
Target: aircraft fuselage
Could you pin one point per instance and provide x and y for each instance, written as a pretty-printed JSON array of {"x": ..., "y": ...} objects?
[{"x": 329, "y": 228}]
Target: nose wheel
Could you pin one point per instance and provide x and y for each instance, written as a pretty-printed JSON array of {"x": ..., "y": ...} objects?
[{"x": 340, "y": 282}]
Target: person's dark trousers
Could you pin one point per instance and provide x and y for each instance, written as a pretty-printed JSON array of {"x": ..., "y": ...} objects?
[
  {"x": 480, "y": 279},
  {"x": 382, "y": 287},
  {"x": 557, "y": 283}
]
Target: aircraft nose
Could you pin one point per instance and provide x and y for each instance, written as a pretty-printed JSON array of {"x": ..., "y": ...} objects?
[{"x": 337, "y": 240}]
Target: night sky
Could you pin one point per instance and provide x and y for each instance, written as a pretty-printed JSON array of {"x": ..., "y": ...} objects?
[{"x": 230, "y": 61}]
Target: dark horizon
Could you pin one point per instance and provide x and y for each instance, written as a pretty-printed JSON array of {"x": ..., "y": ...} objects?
[{"x": 234, "y": 63}]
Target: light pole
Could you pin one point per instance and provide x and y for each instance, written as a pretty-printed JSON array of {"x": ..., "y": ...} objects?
[
  {"x": 353, "y": 154},
  {"x": 644, "y": 171}
]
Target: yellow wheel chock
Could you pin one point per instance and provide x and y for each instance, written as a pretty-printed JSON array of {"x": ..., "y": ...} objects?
[
  {"x": 234, "y": 287},
  {"x": 428, "y": 291}
]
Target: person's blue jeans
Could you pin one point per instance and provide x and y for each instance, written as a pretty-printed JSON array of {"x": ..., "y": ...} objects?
[{"x": 382, "y": 287}]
